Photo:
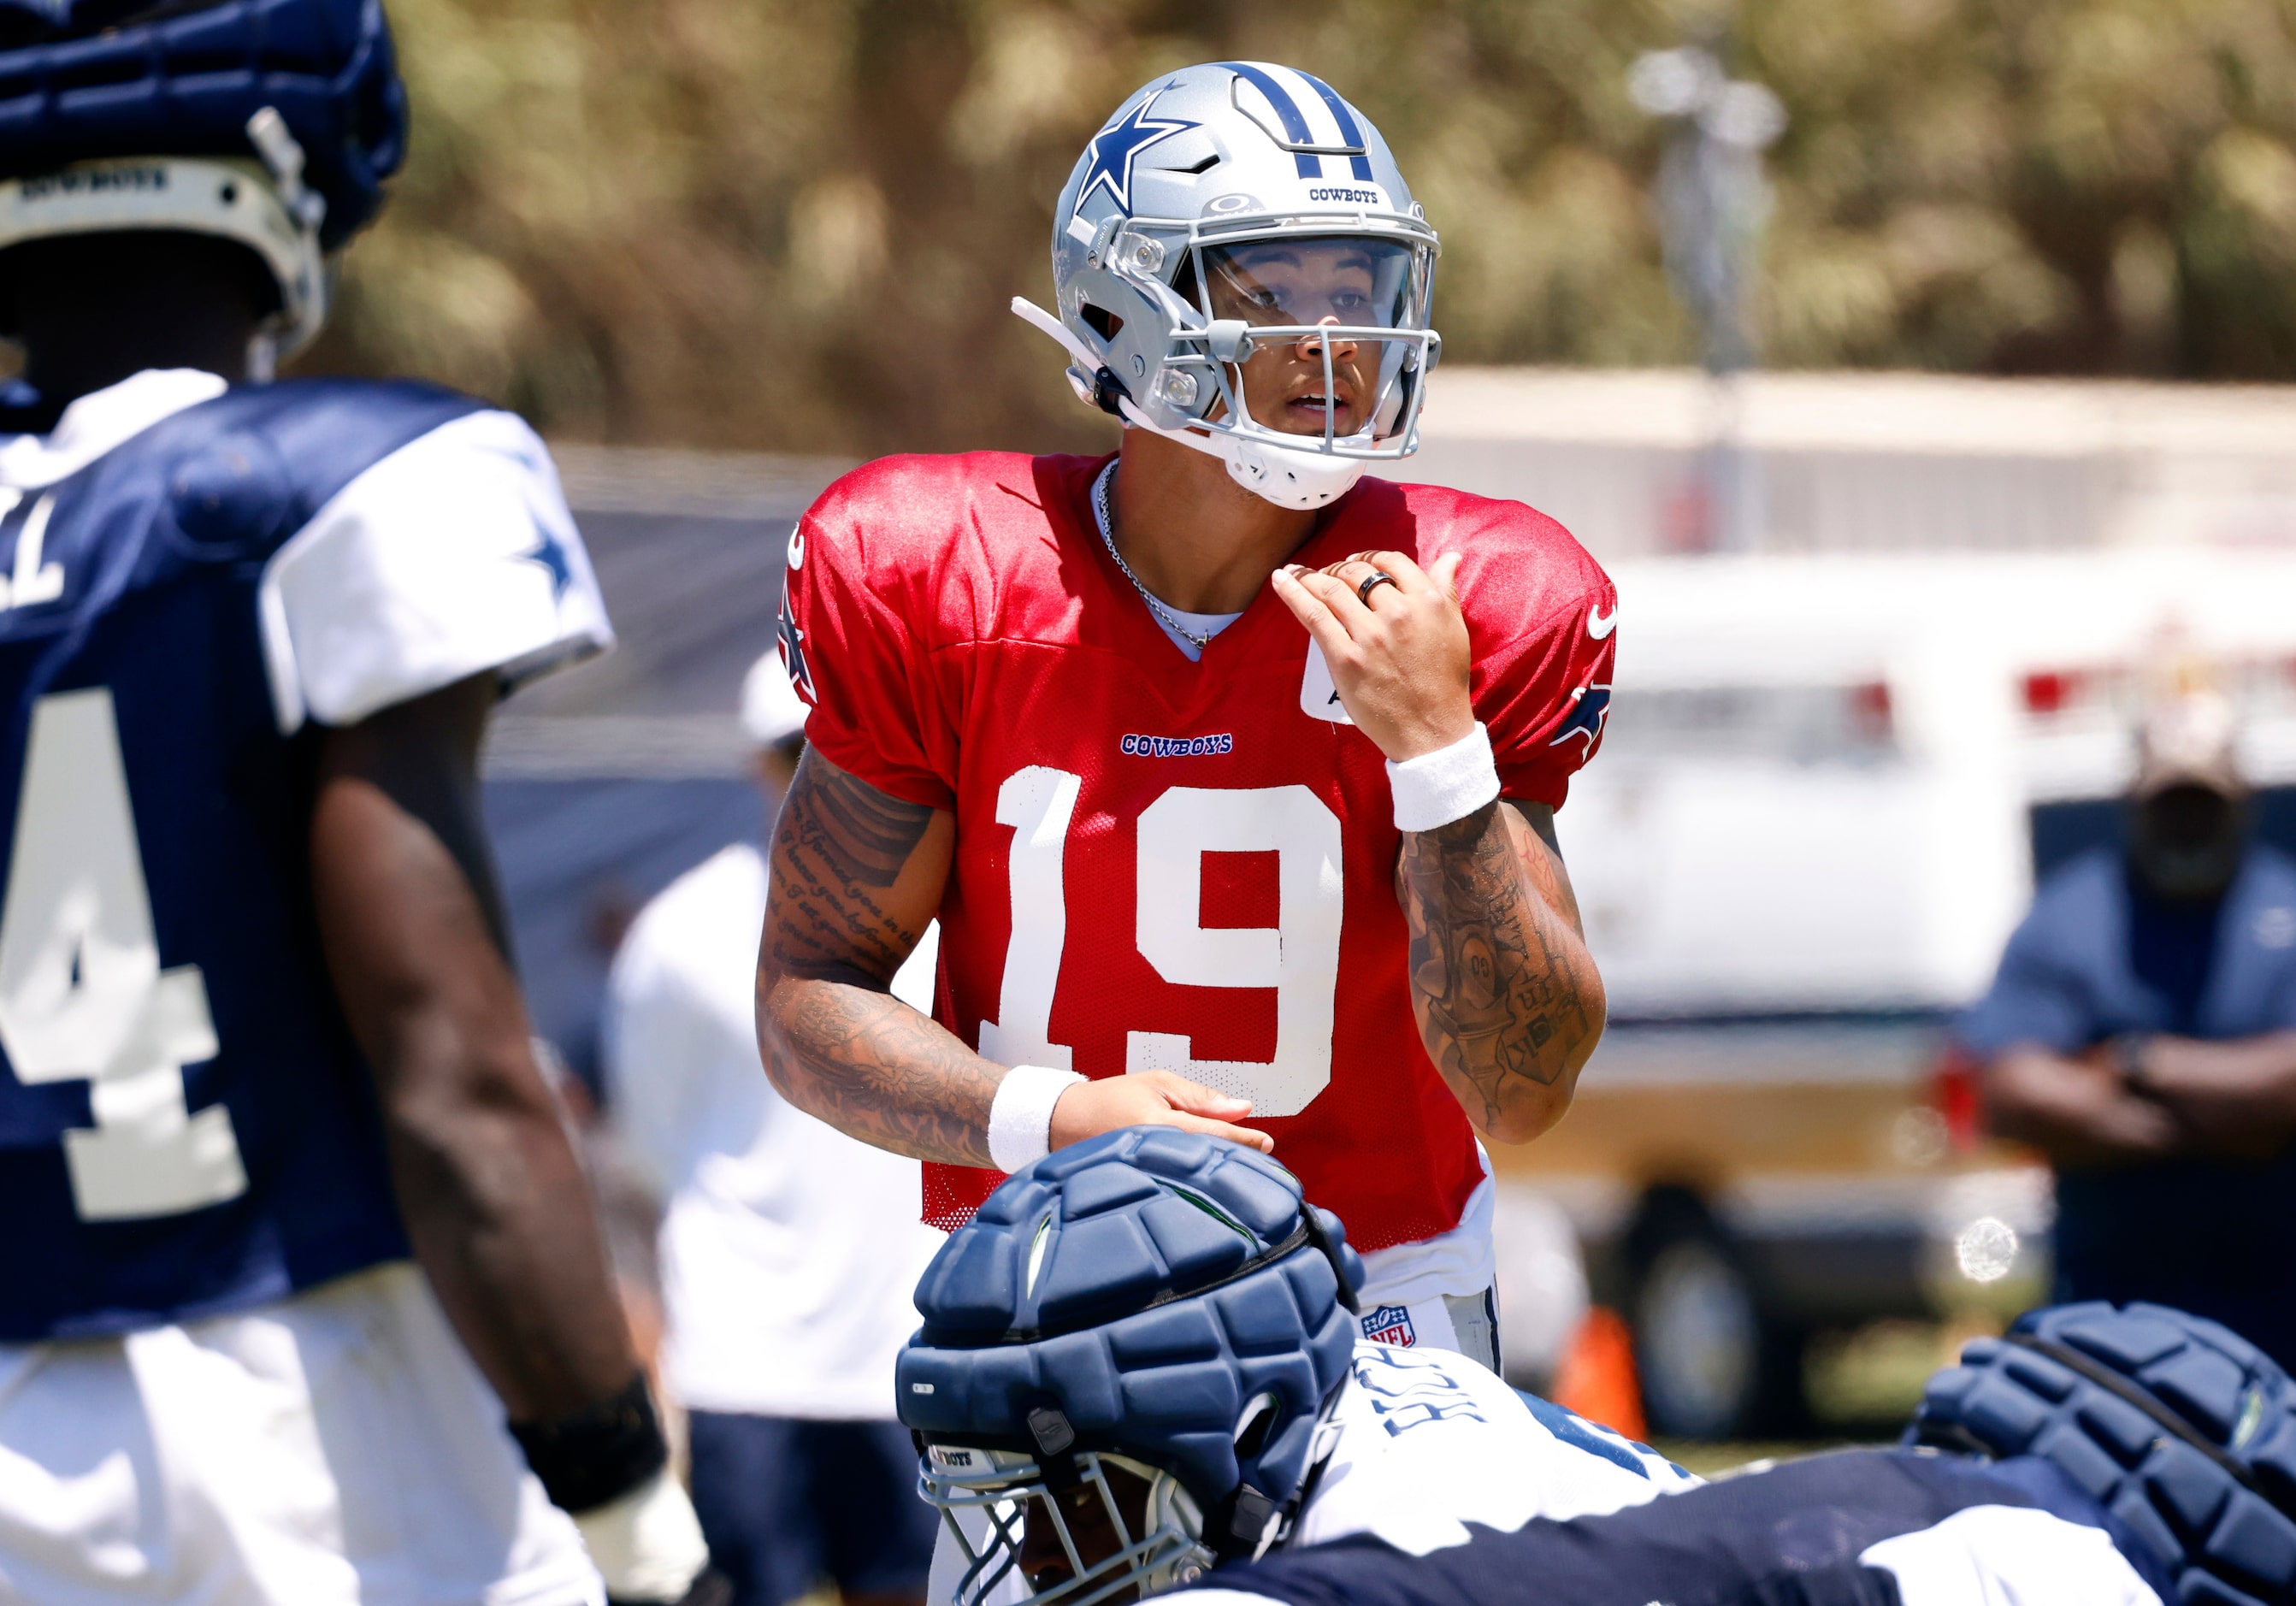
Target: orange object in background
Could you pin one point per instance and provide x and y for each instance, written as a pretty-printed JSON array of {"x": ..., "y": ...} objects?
[{"x": 1597, "y": 1379}]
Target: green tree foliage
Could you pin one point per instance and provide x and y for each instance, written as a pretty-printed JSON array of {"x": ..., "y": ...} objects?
[{"x": 794, "y": 224}]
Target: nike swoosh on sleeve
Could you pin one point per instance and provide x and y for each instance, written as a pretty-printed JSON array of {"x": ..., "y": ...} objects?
[{"x": 1597, "y": 625}]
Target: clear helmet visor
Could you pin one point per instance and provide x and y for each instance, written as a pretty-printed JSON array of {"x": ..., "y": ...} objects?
[
  {"x": 1340, "y": 280},
  {"x": 1320, "y": 336}
]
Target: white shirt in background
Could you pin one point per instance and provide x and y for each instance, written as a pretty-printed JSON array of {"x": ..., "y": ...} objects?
[{"x": 789, "y": 1250}]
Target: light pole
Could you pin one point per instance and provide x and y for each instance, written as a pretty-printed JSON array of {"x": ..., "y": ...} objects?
[{"x": 1713, "y": 201}]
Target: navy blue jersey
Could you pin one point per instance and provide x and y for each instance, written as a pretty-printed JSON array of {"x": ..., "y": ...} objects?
[
  {"x": 1861, "y": 1528},
  {"x": 185, "y": 1126},
  {"x": 2085, "y": 964}
]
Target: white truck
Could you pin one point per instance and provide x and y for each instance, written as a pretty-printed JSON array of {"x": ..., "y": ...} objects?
[{"x": 1814, "y": 821}]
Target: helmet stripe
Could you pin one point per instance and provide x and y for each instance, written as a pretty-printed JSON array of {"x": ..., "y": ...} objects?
[
  {"x": 1287, "y": 112},
  {"x": 1345, "y": 119}
]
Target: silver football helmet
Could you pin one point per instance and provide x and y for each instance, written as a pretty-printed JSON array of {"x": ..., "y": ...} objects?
[{"x": 1223, "y": 209}]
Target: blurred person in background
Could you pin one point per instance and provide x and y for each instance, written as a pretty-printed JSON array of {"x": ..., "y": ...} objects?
[
  {"x": 265, "y": 1051},
  {"x": 788, "y": 1249},
  {"x": 2142, "y": 1034}
]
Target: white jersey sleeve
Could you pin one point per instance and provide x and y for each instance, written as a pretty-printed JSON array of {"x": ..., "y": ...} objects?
[
  {"x": 454, "y": 555},
  {"x": 2009, "y": 1555},
  {"x": 1429, "y": 1441}
]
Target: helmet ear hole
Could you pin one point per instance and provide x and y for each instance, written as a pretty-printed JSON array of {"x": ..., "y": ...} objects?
[
  {"x": 1260, "y": 1420},
  {"x": 1104, "y": 322}
]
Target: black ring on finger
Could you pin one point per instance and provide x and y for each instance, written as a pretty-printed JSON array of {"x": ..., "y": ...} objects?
[{"x": 1376, "y": 578}]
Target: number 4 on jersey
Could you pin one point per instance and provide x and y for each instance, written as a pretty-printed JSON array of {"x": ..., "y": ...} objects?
[{"x": 82, "y": 995}]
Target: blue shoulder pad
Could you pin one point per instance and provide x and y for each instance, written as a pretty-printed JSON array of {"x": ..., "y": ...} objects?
[{"x": 2176, "y": 1425}]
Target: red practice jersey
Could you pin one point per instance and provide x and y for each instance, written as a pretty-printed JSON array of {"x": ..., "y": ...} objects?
[{"x": 1167, "y": 863}]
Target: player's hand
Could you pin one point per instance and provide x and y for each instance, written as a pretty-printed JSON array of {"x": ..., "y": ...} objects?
[
  {"x": 1152, "y": 1098},
  {"x": 1399, "y": 656},
  {"x": 648, "y": 1547}
]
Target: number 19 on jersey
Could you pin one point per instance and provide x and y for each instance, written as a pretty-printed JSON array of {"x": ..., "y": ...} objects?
[{"x": 1298, "y": 958}]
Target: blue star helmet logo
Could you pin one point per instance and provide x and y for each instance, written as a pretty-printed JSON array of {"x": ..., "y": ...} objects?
[
  {"x": 1115, "y": 148},
  {"x": 1590, "y": 706},
  {"x": 550, "y": 552}
]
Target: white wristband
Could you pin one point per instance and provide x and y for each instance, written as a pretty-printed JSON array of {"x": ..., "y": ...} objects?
[
  {"x": 1447, "y": 785},
  {"x": 1020, "y": 1115}
]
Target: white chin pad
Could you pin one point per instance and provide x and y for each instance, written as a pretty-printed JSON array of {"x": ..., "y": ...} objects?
[{"x": 1287, "y": 478}]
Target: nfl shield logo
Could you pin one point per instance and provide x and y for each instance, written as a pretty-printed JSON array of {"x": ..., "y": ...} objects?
[{"x": 1389, "y": 1324}]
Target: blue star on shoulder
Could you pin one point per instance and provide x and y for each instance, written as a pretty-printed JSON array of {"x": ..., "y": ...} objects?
[
  {"x": 1115, "y": 148},
  {"x": 550, "y": 552},
  {"x": 1590, "y": 706}
]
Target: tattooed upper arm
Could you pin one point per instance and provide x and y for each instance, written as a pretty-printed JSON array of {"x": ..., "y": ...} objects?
[
  {"x": 856, "y": 877},
  {"x": 857, "y": 874}
]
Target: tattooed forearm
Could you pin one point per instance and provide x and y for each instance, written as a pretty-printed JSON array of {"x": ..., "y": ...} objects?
[
  {"x": 874, "y": 1069},
  {"x": 1508, "y": 1000},
  {"x": 856, "y": 876}
]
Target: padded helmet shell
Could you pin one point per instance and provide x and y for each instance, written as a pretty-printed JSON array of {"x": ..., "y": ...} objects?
[
  {"x": 1148, "y": 1284},
  {"x": 2183, "y": 1429},
  {"x": 84, "y": 79}
]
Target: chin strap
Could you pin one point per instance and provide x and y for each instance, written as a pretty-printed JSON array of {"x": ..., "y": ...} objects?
[
  {"x": 1096, "y": 383},
  {"x": 1253, "y": 1524},
  {"x": 1038, "y": 318},
  {"x": 1284, "y": 475}
]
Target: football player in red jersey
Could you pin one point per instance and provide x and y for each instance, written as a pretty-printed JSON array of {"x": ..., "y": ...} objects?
[{"x": 1230, "y": 779}]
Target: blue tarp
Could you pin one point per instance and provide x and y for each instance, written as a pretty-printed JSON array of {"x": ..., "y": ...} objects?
[{"x": 694, "y": 601}]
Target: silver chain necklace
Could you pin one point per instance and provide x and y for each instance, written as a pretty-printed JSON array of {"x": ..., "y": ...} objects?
[{"x": 1107, "y": 522}]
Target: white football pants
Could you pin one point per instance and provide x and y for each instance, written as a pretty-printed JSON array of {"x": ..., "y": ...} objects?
[{"x": 336, "y": 1447}]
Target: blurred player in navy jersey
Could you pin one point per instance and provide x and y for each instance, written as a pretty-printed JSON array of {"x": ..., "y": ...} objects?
[{"x": 263, "y": 1044}]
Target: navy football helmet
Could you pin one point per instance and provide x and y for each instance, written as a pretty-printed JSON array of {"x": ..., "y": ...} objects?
[
  {"x": 271, "y": 123},
  {"x": 2180, "y": 1428},
  {"x": 1151, "y": 1310}
]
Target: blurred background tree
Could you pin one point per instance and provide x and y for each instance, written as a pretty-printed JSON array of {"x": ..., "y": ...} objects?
[{"x": 793, "y": 225}]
